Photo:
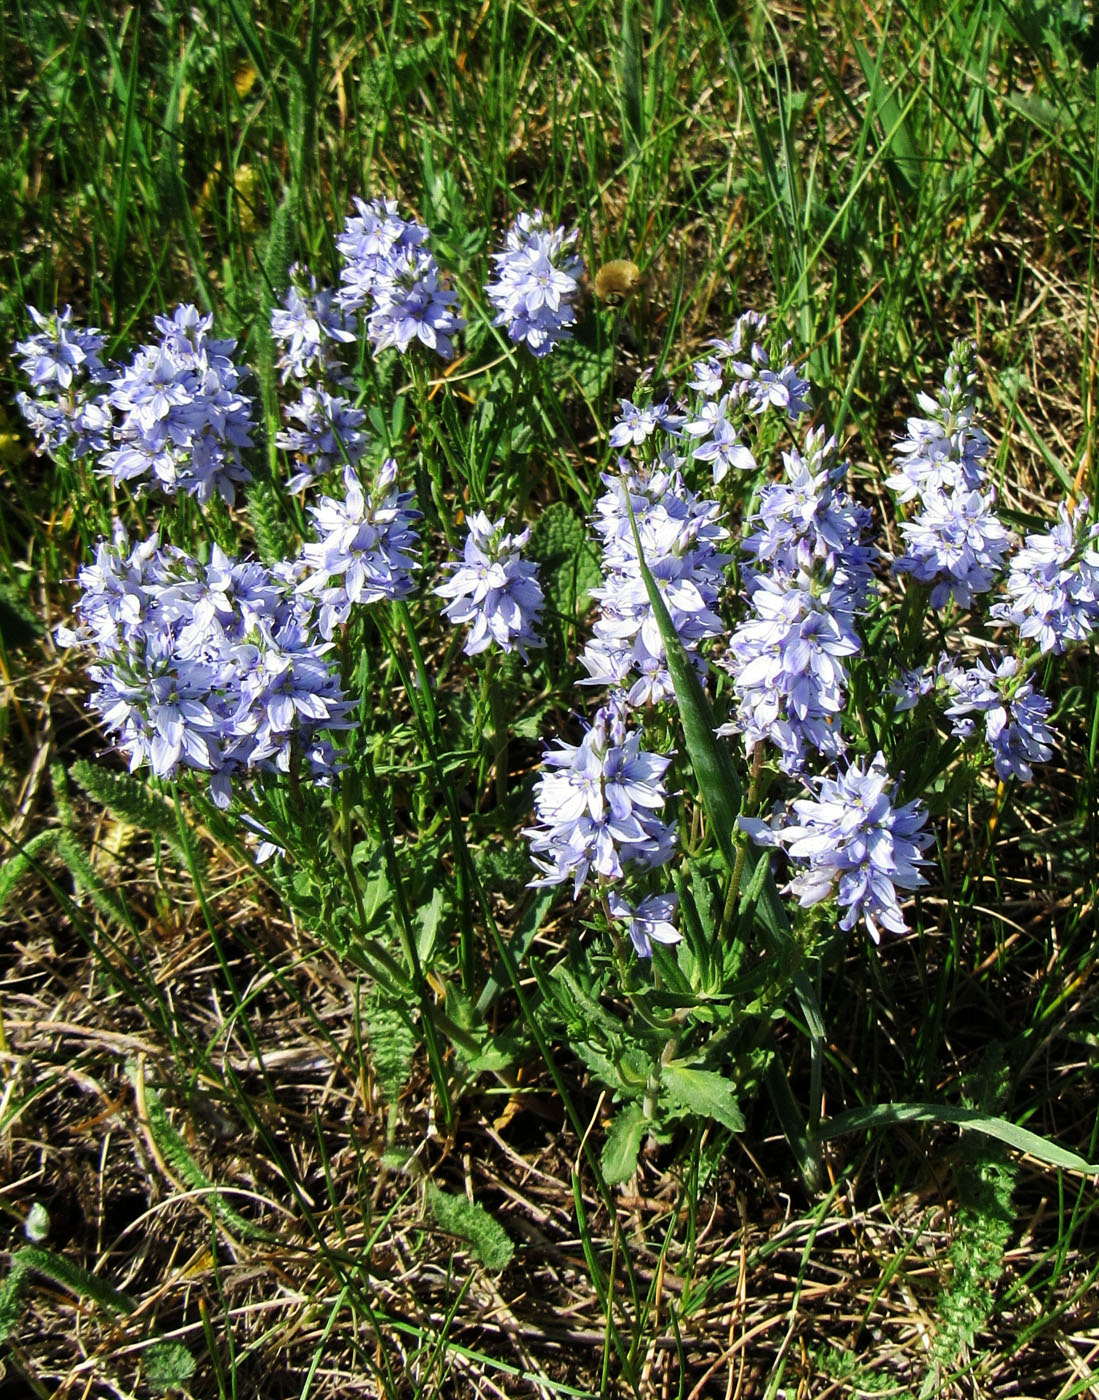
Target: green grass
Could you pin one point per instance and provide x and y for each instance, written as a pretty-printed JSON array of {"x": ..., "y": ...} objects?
[{"x": 287, "y": 1126}]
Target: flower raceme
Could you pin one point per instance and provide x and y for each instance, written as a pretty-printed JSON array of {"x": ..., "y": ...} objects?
[
  {"x": 955, "y": 543},
  {"x": 596, "y": 804},
  {"x": 364, "y": 550},
  {"x": 1052, "y": 584},
  {"x": 62, "y": 362},
  {"x": 854, "y": 843},
  {"x": 537, "y": 283},
  {"x": 389, "y": 268},
  {"x": 307, "y": 325},
  {"x": 493, "y": 590},
  {"x": 209, "y": 667},
  {"x": 680, "y": 538},
  {"x": 810, "y": 580}
]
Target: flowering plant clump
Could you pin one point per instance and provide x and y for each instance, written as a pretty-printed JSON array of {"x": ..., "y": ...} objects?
[
  {"x": 537, "y": 283},
  {"x": 493, "y": 590},
  {"x": 823, "y": 703}
]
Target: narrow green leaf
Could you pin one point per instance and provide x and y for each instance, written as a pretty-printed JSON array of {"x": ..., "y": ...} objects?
[
  {"x": 890, "y": 1114},
  {"x": 721, "y": 790},
  {"x": 427, "y": 920},
  {"x": 631, "y": 82},
  {"x": 897, "y": 134}
]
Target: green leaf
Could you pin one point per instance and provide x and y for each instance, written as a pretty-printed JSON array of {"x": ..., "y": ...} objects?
[
  {"x": 568, "y": 565},
  {"x": 392, "y": 1044},
  {"x": 889, "y": 1114},
  {"x": 619, "y": 1157},
  {"x": 168, "y": 1366},
  {"x": 898, "y": 137},
  {"x": 472, "y": 1223},
  {"x": 630, "y": 83},
  {"x": 703, "y": 1092},
  {"x": 87, "y": 881},
  {"x": 428, "y": 918},
  {"x": 17, "y": 865},
  {"x": 12, "y": 1292}
]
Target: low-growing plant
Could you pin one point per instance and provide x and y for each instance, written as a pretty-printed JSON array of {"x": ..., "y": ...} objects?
[{"x": 316, "y": 706}]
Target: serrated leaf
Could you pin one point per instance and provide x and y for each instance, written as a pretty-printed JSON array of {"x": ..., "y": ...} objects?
[
  {"x": 568, "y": 564},
  {"x": 620, "y": 1151},
  {"x": 89, "y": 882},
  {"x": 472, "y": 1223},
  {"x": 392, "y": 1045},
  {"x": 16, "y": 866},
  {"x": 168, "y": 1366},
  {"x": 703, "y": 1092}
]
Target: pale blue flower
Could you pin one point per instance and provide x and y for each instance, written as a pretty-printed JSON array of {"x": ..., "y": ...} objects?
[
  {"x": 494, "y": 591},
  {"x": 853, "y": 843},
  {"x": 537, "y": 283},
  {"x": 651, "y": 920},
  {"x": 596, "y": 804}
]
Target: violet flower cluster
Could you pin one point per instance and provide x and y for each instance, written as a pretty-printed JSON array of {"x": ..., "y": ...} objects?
[
  {"x": 680, "y": 538},
  {"x": 1014, "y": 713},
  {"x": 62, "y": 363},
  {"x": 209, "y": 667},
  {"x": 329, "y": 434},
  {"x": 1052, "y": 584},
  {"x": 324, "y": 429},
  {"x": 854, "y": 842},
  {"x": 810, "y": 581},
  {"x": 176, "y": 414},
  {"x": 537, "y": 283},
  {"x": 734, "y": 385},
  {"x": 308, "y": 326},
  {"x": 365, "y": 547},
  {"x": 596, "y": 803},
  {"x": 180, "y": 415},
  {"x": 493, "y": 590},
  {"x": 955, "y": 542},
  {"x": 598, "y": 814},
  {"x": 389, "y": 268}
]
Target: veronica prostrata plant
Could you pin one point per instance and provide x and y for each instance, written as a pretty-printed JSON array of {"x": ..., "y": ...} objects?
[{"x": 716, "y": 795}]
